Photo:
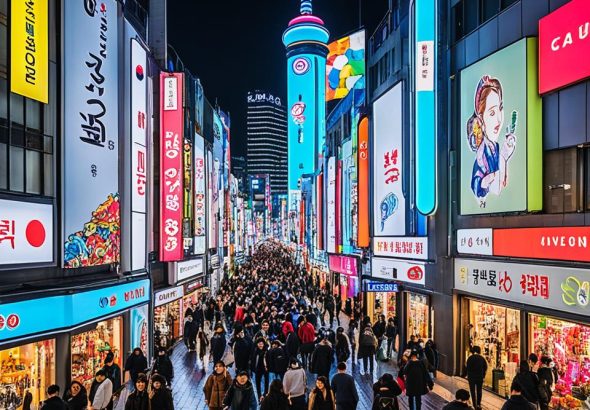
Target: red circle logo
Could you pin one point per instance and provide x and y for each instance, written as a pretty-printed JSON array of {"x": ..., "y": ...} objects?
[
  {"x": 415, "y": 273},
  {"x": 12, "y": 321},
  {"x": 2, "y": 322},
  {"x": 35, "y": 233}
]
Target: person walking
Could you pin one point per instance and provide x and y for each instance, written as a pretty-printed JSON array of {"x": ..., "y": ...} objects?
[
  {"x": 218, "y": 344},
  {"x": 295, "y": 385},
  {"x": 53, "y": 401},
  {"x": 277, "y": 360},
  {"x": 135, "y": 364},
  {"x": 329, "y": 306},
  {"x": 113, "y": 371},
  {"x": 418, "y": 381},
  {"x": 322, "y": 396},
  {"x": 338, "y": 308},
  {"x": 390, "y": 334},
  {"x": 163, "y": 365},
  {"x": 431, "y": 355},
  {"x": 160, "y": 396},
  {"x": 190, "y": 334},
  {"x": 529, "y": 382},
  {"x": 76, "y": 397},
  {"x": 321, "y": 358},
  {"x": 292, "y": 343},
  {"x": 342, "y": 345},
  {"x": 259, "y": 366},
  {"x": 517, "y": 401},
  {"x": 477, "y": 367},
  {"x": 242, "y": 351},
  {"x": 353, "y": 338},
  {"x": 216, "y": 386},
  {"x": 306, "y": 333},
  {"x": 276, "y": 399},
  {"x": 367, "y": 348},
  {"x": 344, "y": 389},
  {"x": 379, "y": 328},
  {"x": 385, "y": 393},
  {"x": 546, "y": 382},
  {"x": 101, "y": 391},
  {"x": 203, "y": 344},
  {"x": 240, "y": 395},
  {"x": 461, "y": 401},
  {"x": 139, "y": 399}
]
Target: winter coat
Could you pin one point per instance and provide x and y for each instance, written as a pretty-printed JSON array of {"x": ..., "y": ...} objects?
[
  {"x": 275, "y": 401},
  {"x": 277, "y": 360},
  {"x": 287, "y": 327},
  {"x": 293, "y": 344},
  {"x": 418, "y": 380},
  {"x": 545, "y": 375},
  {"x": 114, "y": 375},
  {"x": 190, "y": 330},
  {"x": 321, "y": 359},
  {"x": 216, "y": 387},
  {"x": 391, "y": 331},
  {"x": 240, "y": 397},
  {"x": 457, "y": 405},
  {"x": 138, "y": 401},
  {"x": 344, "y": 390},
  {"x": 101, "y": 394},
  {"x": 431, "y": 358},
  {"x": 218, "y": 343},
  {"x": 198, "y": 317},
  {"x": 367, "y": 343},
  {"x": 342, "y": 347},
  {"x": 379, "y": 329},
  {"x": 477, "y": 368},
  {"x": 530, "y": 385},
  {"x": 54, "y": 403},
  {"x": 163, "y": 366},
  {"x": 77, "y": 402},
  {"x": 318, "y": 402},
  {"x": 393, "y": 390},
  {"x": 518, "y": 402},
  {"x": 162, "y": 399},
  {"x": 258, "y": 360},
  {"x": 295, "y": 382},
  {"x": 306, "y": 333},
  {"x": 242, "y": 350},
  {"x": 135, "y": 364}
]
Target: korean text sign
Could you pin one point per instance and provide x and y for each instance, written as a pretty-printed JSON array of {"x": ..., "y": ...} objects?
[
  {"x": 345, "y": 265},
  {"x": 171, "y": 144},
  {"x": 29, "y": 56},
  {"x": 91, "y": 150},
  {"x": 393, "y": 269},
  {"x": 411, "y": 247},
  {"x": 563, "y": 289}
]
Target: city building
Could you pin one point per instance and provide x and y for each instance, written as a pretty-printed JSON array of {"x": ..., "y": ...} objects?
[
  {"x": 240, "y": 171},
  {"x": 267, "y": 138}
]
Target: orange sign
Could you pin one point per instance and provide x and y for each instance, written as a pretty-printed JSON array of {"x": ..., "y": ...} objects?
[{"x": 363, "y": 183}]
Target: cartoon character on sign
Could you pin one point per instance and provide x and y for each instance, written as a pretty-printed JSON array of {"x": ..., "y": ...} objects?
[
  {"x": 388, "y": 207},
  {"x": 297, "y": 111},
  {"x": 484, "y": 128}
]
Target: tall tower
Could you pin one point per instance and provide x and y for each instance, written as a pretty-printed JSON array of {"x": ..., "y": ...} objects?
[{"x": 306, "y": 41}]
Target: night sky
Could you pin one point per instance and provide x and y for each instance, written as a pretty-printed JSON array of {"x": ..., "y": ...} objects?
[{"x": 235, "y": 46}]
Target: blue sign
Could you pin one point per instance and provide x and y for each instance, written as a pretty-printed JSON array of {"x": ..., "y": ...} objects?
[
  {"x": 381, "y": 287},
  {"x": 62, "y": 312}
]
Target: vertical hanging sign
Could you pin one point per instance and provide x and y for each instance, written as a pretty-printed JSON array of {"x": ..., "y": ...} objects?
[
  {"x": 200, "y": 203},
  {"x": 362, "y": 240},
  {"x": 331, "y": 205},
  {"x": 171, "y": 171},
  {"x": 425, "y": 109}
]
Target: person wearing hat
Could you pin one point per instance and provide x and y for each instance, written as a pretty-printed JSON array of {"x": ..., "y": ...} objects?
[
  {"x": 139, "y": 399},
  {"x": 418, "y": 381},
  {"x": 101, "y": 391},
  {"x": 216, "y": 386},
  {"x": 112, "y": 370},
  {"x": 160, "y": 396},
  {"x": 163, "y": 365},
  {"x": 295, "y": 384},
  {"x": 461, "y": 401},
  {"x": 240, "y": 395}
]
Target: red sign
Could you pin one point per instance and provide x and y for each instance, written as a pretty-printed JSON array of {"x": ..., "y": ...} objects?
[
  {"x": 171, "y": 168},
  {"x": 564, "y": 46},
  {"x": 345, "y": 265},
  {"x": 569, "y": 243}
]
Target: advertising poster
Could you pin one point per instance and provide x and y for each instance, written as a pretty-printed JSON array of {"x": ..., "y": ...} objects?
[
  {"x": 362, "y": 239},
  {"x": 392, "y": 269},
  {"x": 346, "y": 203},
  {"x": 501, "y": 133},
  {"x": 210, "y": 209},
  {"x": 331, "y": 205},
  {"x": 171, "y": 168},
  {"x": 345, "y": 65},
  {"x": 200, "y": 200},
  {"x": 139, "y": 329},
  {"x": 389, "y": 203},
  {"x": 91, "y": 214}
]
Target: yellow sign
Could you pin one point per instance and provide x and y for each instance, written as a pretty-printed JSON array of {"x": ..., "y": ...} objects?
[{"x": 29, "y": 60}]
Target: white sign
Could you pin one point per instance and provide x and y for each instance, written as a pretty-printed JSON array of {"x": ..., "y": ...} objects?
[
  {"x": 200, "y": 200},
  {"x": 389, "y": 212},
  {"x": 564, "y": 289},
  {"x": 168, "y": 295},
  {"x": 187, "y": 269},
  {"x": 26, "y": 232},
  {"x": 410, "y": 247},
  {"x": 331, "y": 205},
  {"x": 425, "y": 66},
  {"x": 402, "y": 271},
  {"x": 475, "y": 241},
  {"x": 170, "y": 94},
  {"x": 263, "y": 97}
]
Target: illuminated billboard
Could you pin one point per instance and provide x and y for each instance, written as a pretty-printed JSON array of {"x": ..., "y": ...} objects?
[{"x": 345, "y": 65}]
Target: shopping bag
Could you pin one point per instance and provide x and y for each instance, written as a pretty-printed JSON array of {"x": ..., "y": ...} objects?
[
  {"x": 228, "y": 356},
  {"x": 382, "y": 351}
]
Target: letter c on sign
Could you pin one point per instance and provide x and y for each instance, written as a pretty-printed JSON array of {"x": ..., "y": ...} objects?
[{"x": 554, "y": 45}]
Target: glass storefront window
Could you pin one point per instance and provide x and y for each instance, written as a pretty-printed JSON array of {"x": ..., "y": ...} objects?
[
  {"x": 382, "y": 303},
  {"x": 89, "y": 349},
  {"x": 418, "y": 315},
  {"x": 167, "y": 326},
  {"x": 25, "y": 373},
  {"x": 496, "y": 330}
]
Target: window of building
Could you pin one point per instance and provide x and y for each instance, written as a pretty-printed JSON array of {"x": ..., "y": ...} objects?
[
  {"x": 471, "y": 15},
  {"x": 457, "y": 21},
  {"x": 489, "y": 8},
  {"x": 564, "y": 185},
  {"x": 507, "y": 3}
]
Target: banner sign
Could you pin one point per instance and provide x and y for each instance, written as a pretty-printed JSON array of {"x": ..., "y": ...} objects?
[
  {"x": 549, "y": 287},
  {"x": 26, "y": 232},
  {"x": 392, "y": 269},
  {"x": 168, "y": 295},
  {"x": 410, "y": 247},
  {"x": 187, "y": 269},
  {"x": 363, "y": 238},
  {"x": 26, "y": 318},
  {"x": 381, "y": 287},
  {"x": 331, "y": 205},
  {"x": 475, "y": 241},
  {"x": 29, "y": 56},
  {"x": 171, "y": 170},
  {"x": 563, "y": 41},
  {"x": 200, "y": 202},
  {"x": 90, "y": 167},
  {"x": 389, "y": 203},
  {"x": 345, "y": 265}
]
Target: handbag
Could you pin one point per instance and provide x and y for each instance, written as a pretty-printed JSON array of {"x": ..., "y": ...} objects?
[{"x": 228, "y": 356}]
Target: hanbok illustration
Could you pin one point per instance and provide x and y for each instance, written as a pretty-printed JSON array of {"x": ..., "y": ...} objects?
[{"x": 484, "y": 131}]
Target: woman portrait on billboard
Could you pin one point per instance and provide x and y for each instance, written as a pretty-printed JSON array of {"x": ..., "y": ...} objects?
[{"x": 484, "y": 131}]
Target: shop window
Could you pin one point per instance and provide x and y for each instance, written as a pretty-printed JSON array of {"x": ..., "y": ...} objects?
[
  {"x": 418, "y": 315},
  {"x": 563, "y": 172},
  {"x": 496, "y": 330},
  {"x": 26, "y": 370},
  {"x": 507, "y": 3},
  {"x": 457, "y": 22},
  {"x": 471, "y": 15},
  {"x": 167, "y": 325},
  {"x": 568, "y": 345},
  {"x": 382, "y": 303},
  {"x": 489, "y": 8}
]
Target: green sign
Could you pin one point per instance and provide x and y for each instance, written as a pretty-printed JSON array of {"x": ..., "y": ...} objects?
[{"x": 501, "y": 133}]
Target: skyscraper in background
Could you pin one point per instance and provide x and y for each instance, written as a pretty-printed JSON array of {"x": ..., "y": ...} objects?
[{"x": 267, "y": 138}]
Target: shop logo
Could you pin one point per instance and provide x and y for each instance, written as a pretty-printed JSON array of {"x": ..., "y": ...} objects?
[
  {"x": 2, "y": 322},
  {"x": 388, "y": 207},
  {"x": 113, "y": 301},
  {"x": 415, "y": 273},
  {"x": 103, "y": 302},
  {"x": 139, "y": 72},
  {"x": 301, "y": 65},
  {"x": 12, "y": 321},
  {"x": 297, "y": 111},
  {"x": 575, "y": 292}
]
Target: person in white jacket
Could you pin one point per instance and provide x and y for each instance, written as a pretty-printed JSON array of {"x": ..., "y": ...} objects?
[{"x": 101, "y": 391}]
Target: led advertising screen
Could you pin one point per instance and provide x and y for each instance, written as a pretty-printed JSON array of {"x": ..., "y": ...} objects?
[
  {"x": 91, "y": 214},
  {"x": 363, "y": 184},
  {"x": 345, "y": 65},
  {"x": 331, "y": 205},
  {"x": 200, "y": 217},
  {"x": 389, "y": 202},
  {"x": 501, "y": 146}
]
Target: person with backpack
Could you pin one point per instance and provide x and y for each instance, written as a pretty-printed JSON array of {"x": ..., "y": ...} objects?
[
  {"x": 385, "y": 393},
  {"x": 277, "y": 360},
  {"x": 367, "y": 348},
  {"x": 216, "y": 386},
  {"x": 418, "y": 381},
  {"x": 342, "y": 345},
  {"x": 529, "y": 382}
]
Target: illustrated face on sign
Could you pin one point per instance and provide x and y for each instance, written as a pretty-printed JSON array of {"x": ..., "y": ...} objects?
[{"x": 493, "y": 116}]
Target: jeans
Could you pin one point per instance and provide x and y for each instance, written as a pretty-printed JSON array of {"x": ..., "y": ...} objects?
[
  {"x": 415, "y": 402},
  {"x": 259, "y": 377},
  {"x": 476, "y": 389},
  {"x": 366, "y": 362}
]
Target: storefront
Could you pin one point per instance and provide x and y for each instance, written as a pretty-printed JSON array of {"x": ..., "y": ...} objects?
[
  {"x": 510, "y": 310},
  {"x": 193, "y": 294},
  {"x": 26, "y": 370},
  {"x": 345, "y": 280},
  {"x": 168, "y": 327},
  {"x": 418, "y": 314},
  {"x": 382, "y": 299}
]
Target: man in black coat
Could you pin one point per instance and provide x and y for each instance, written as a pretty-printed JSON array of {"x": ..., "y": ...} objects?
[
  {"x": 528, "y": 381},
  {"x": 277, "y": 360},
  {"x": 163, "y": 365},
  {"x": 242, "y": 351},
  {"x": 517, "y": 401},
  {"x": 190, "y": 334},
  {"x": 461, "y": 401},
  {"x": 477, "y": 368},
  {"x": 135, "y": 364},
  {"x": 53, "y": 401},
  {"x": 344, "y": 389},
  {"x": 418, "y": 381},
  {"x": 321, "y": 358},
  {"x": 292, "y": 344}
]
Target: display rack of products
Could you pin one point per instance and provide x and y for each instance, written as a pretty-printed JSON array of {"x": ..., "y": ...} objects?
[
  {"x": 167, "y": 324},
  {"x": 89, "y": 349},
  {"x": 386, "y": 306},
  {"x": 26, "y": 370},
  {"x": 418, "y": 315}
]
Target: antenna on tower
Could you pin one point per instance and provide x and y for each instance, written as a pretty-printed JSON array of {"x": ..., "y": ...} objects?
[{"x": 306, "y": 7}]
